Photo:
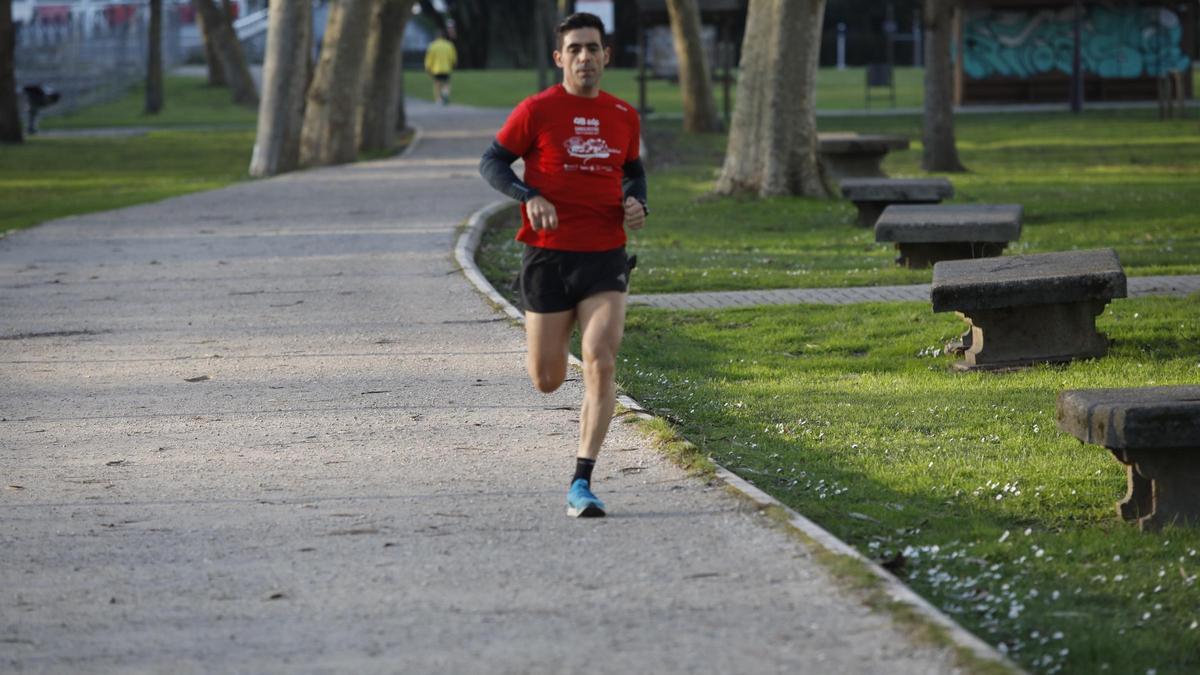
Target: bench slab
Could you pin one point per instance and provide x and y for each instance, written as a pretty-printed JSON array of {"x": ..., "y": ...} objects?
[
  {"x": 872, "y": 195},
  {"x": 1032, "y": 279},
  {"x": 852, "y": 155},
  {"x": 1155, "y": 433},
  {"x": 1029, "y": 309},
  {"x": 928, "y": 234}
]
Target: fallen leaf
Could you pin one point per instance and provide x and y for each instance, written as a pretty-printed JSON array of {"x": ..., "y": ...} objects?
[
  {"x": 276, "y": 596},
  {"x": 16, "y": 487},
  {"x": 115, "y": 462},
  {"x": 198, "y": 378}
]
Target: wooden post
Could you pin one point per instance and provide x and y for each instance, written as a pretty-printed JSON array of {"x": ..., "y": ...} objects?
[
  {"x": 641, "y": 38},
  {"x": 1076, "y": 61}
]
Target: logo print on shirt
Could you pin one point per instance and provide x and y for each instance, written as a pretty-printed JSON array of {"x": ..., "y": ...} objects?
[{"x": 587, "y": 126}]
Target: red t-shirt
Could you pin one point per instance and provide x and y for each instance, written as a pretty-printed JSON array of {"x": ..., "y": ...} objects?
[{"x": 573, "y": 149}]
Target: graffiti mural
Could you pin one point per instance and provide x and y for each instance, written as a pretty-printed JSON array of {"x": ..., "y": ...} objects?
[{"x": 1117, "y": 42}]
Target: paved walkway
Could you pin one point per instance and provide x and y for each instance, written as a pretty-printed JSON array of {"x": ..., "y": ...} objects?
[
  {"x": 1178, "y": 286},
  {"x": 271, "y": 428}
]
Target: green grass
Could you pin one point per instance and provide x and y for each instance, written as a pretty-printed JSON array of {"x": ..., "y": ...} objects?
[
  {"x": 852, "y": 416},
  {"x": 1119, "y": 178},
  {"x": 47, "y": 178},
  {"x": 849, "y": 415},
  {"x": 504, "y": 88},
  {"x": 189, "y": 101}
]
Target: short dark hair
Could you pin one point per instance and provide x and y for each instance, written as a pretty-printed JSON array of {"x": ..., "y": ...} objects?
[{"x": 580, "y": 20}]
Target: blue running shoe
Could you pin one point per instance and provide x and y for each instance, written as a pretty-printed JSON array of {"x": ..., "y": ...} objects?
[{"x": 581, "y": 503}]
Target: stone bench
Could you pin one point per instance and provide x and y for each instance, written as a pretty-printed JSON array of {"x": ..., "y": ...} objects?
[
  {"x": 927, "y": 234},
  {"x": 851, "y": 155},
  {"x": 1028, "y": 309},
  {"x": 1155, "y": 433},
  {"x": 872, "y": 195}
]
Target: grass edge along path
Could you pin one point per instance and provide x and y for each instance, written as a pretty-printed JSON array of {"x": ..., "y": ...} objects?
[
  {"x": 50, "y": 177},
  {"x": 1016, "y": 616},
  {"x": 852, "y": 571},
  {"x": 975, "y": 499}
]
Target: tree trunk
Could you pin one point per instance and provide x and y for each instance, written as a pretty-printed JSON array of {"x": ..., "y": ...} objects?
[
  {"x": 285, "y": 79},
  {"x": 216, "y": 74},
  {"x": 10, "y": 106},
  {"x": 472, "y": 31},
  {"x": 540, "y": 55},
  {"x": 154, "y": 62},
  {"x": 940, "y": 152},
  {"x": 401, "y": 120},
  {"x": 331, "y": 112},
  {"x": 773, "y": 135},
  {"x": 382, "y": 73},
  {"x": 695, "y": 78},
  {"x": 229, "y": 53}
]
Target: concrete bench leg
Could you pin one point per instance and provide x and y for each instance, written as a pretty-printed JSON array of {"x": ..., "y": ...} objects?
[
  {"x": 857, "y": 165},
  {"x": 1023, "y": 336},
  {"x": 869, "y": 212},
  {"x": 919, "y": 255},
  {"x": 1162, "y": 488}
]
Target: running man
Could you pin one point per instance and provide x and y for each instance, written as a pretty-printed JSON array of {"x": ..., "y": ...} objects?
[
  {"x": 584, "y": 184},
  {"x": 440, "y": 59}
]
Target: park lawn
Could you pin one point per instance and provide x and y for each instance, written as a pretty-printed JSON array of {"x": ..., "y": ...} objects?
[
  {"x": 47, "y": 178},
  {"x": 960, "y": 482},
  {"x": 188, "y": 101},
  {"x": 504, "y": 88},
  {"x": 1119, "y": 179}
]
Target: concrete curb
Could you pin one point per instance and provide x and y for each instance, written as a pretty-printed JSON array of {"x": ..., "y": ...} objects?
[{"x": 464, "y": 252}]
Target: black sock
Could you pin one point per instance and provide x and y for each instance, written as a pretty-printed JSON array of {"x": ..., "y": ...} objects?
[{"x": 583, "y": 469}]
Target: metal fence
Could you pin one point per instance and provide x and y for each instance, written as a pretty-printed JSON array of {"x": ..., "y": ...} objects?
[{"x": 91, "y": 53}]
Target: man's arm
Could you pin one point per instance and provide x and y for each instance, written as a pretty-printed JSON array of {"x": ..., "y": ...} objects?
[
  {"x": 633, "y": 183},
  {"x": 496, "y": 168}
]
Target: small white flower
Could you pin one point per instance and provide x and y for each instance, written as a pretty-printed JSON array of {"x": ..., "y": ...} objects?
[
  {"x": 1028, "y": 531},
  {"x": 1003, "y": 537}
]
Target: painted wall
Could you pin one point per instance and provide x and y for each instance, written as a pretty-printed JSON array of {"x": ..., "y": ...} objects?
[{"x": 1118, "y": 42}]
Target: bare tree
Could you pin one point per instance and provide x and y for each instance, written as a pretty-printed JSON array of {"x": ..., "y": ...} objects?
[
  {"x": 382, "y": 75},
  {"x": 773, "y": 135},
  {"x": 285, "y": 79},
  {"x": 228, "y": 52},
  {"x": 10, "y": 107},
  {"x": 331, "y": 112},
  {"x": 940, "y": 151},
  {"x": 216, "y": 74},
  {"x": 695, "y": 79},
  {"x": 154, "y": 61}
]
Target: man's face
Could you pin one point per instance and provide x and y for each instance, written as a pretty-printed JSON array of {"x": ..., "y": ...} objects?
[{"x": 582, "y": 57}]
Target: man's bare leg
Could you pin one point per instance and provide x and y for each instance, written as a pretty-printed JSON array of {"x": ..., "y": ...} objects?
[
  {"x": 602, "y": 325},
  {"x": 549, "y": 337}
]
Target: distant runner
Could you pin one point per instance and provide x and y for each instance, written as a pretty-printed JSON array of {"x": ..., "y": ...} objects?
[
  {"x": 584, "y": 184},
  {"x": 440, "y": 60}
]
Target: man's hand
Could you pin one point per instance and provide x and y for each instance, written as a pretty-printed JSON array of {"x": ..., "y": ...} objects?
[
  {"x": 635, "y": 214},
  {"x": 542, "y": 214}
]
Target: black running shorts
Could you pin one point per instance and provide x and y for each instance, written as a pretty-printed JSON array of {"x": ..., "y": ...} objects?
[{"x": 556, "y": 281}]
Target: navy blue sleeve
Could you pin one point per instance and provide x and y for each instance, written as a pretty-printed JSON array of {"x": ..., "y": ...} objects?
[
  {"x": 633, "y": 184},
  {"x": 496, "y": 168}
]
